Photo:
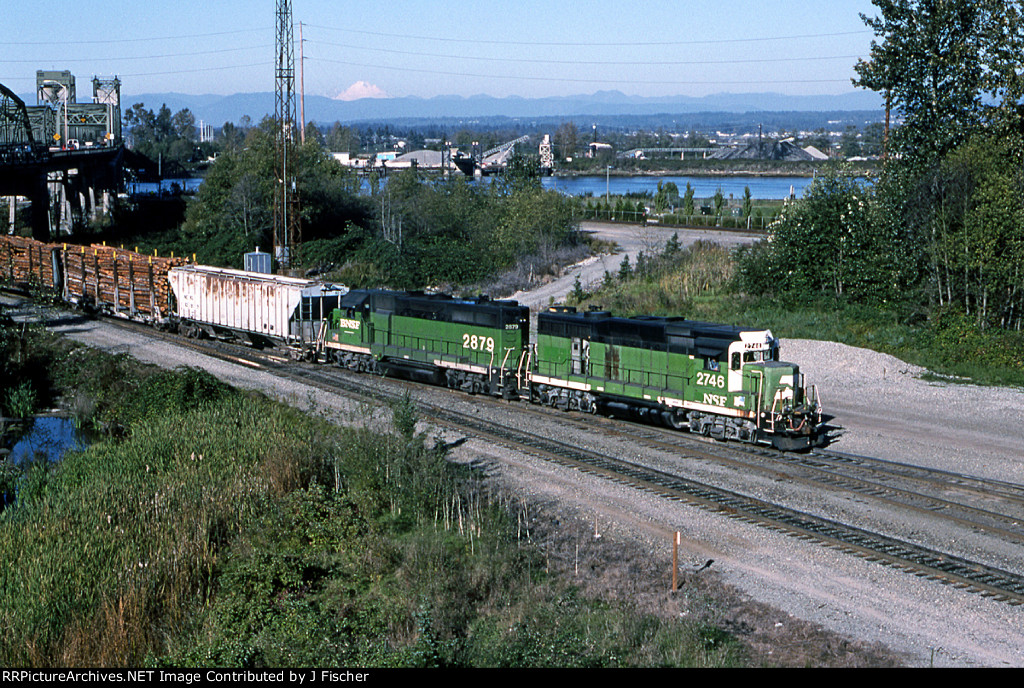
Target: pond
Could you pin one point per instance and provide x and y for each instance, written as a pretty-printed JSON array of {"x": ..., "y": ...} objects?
[{"x": 47, "y": 437}]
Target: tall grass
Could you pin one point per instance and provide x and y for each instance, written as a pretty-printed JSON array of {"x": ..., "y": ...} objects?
[
  {"x": 219, "y": 528},
  {"x": 122, "y": 539},
  {"x": 665, "y": 283}
]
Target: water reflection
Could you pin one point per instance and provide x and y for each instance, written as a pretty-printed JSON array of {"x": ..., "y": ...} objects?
[{"x": 47, "y": 438}]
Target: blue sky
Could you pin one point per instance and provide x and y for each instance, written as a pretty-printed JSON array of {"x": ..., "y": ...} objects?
[{"x": 400, "y": 48}]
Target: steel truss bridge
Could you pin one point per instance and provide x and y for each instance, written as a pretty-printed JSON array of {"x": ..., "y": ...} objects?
[{"x": 62, "y": 155}]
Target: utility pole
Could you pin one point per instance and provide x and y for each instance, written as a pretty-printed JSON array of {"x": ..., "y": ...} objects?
[
  {"x": 302, "y": 88},
  {"x": 287, "y": 230},
  {"x": 885, "y": 134}
]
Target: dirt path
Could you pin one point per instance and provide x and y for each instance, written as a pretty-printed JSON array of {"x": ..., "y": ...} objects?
[{"x": 630, "y": 240}]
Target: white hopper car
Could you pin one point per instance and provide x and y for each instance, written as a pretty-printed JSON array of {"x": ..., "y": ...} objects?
[{"x": 266, "y": 309}]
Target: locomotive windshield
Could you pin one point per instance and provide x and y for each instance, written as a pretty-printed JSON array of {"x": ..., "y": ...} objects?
[{"x": 763, "y": 355}]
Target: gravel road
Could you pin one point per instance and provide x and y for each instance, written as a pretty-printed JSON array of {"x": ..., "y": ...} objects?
[{"x": 631, "y": 240}]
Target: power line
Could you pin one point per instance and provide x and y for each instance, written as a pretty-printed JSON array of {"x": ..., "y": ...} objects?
[
  {"x": 115, "y": 41},
  {"x": 636, "y": 44},
  {"x": 200, "y": 69},
  {"x": 607, "y": 63},
  {"x": 138, "y": 57}
]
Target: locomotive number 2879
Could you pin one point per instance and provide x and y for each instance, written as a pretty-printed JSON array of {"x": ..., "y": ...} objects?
[{"x": 477, "y": 343}]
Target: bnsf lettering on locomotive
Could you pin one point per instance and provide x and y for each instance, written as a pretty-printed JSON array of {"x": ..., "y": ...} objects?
[
  {"x": 714, "y": 399},
  {"x": 477, "y": 343},
  {"x": 348, "y": 324},
  {"x": 711, "y": 380}
]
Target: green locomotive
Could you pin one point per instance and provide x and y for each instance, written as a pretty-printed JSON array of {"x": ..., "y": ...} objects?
[
  {"x": 720, "y": 381},
  {"x": 473, "y": 344}
]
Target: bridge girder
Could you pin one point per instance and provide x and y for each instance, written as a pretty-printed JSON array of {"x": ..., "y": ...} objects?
[{"x": 15, "y": 128}]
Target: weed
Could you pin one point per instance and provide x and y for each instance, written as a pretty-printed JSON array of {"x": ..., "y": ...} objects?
[{"x": 20, "y": 401}]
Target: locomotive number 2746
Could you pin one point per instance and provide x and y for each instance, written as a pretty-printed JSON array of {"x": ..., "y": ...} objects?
[
  {"x": 478, "y": 343},
  {"x": 711, "y": 380}
]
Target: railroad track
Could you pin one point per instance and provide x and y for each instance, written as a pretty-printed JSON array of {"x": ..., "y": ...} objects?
[
  {"x": 993, "y": 506},
  {"x": 921, "y": 561}
]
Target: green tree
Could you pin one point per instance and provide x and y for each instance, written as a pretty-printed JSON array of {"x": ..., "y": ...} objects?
[
  {"x": 522, "y": 173},
  {"x": 666, "y": 195},
  {"x": 567, "y": 140},
  {"x": 625, "y": 270},
  {"x": 719, "y": 201},
  {"x": 948, "y": 67},
  {"x": 168, "y": 137},
  {"x": 849, "y": 143},
  {"x": 825, "y": 243},
  {"x": 341, "y": 139},
  {"x": 688, "y": 200},
  {"x": 970, "y": 214},
  {"x": 232, "y": 137},
  {"x": 233, "y": 210}
]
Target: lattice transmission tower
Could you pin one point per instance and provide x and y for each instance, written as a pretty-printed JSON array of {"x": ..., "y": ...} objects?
[{"x": 287, "y": 226}]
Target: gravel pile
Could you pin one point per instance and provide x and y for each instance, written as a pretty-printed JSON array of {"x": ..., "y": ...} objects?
[{"x": 882, "y": 407}]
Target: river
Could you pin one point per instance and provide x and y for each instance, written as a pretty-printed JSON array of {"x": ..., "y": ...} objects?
[{"x": 761, "y": 188}]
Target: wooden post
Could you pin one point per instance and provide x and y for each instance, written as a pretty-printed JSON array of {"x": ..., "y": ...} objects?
[
  {"x": 675, "y": 560},
  {"x": 117, "y": 286},
  {"x": 131, "y": 288},
  {"x": 152, "y": 294}
]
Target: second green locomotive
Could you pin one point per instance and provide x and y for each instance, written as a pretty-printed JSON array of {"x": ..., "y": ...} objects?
[
  {"x": 473, "y": 344},
  {"x": 720, "y": 381}
]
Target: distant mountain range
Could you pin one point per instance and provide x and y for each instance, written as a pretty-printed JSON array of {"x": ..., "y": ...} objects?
[{"x": 218, "y": 109}]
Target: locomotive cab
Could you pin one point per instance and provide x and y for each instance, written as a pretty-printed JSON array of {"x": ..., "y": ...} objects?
[{"x": 750, "y": 348}]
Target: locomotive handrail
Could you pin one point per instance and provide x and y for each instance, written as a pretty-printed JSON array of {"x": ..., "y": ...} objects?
[
  {"x": 760, "y": 391},
  {"x": 525, "y": 358},
  {"x": 817, "y": 399},
  {"x": 321, "y": 338}
]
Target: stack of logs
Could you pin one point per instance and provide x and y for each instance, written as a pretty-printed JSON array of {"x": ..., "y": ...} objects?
[
  {"x": 108, "y": 278},
  {"x": 119, "y": 280},
  {"x": 26, "y": 262}
]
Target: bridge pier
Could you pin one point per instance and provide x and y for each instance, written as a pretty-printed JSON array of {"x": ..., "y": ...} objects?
[
  {"x": 70, "y": 206},
  {"x": 64, "y": 188},
  {"x": 40, "y": 198}
]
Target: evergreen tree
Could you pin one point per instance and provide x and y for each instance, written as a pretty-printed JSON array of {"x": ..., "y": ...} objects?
[{"x": 625, "y": 270}]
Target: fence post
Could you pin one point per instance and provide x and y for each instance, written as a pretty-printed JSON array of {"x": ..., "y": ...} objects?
[{"x": 675, "y": 560}]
